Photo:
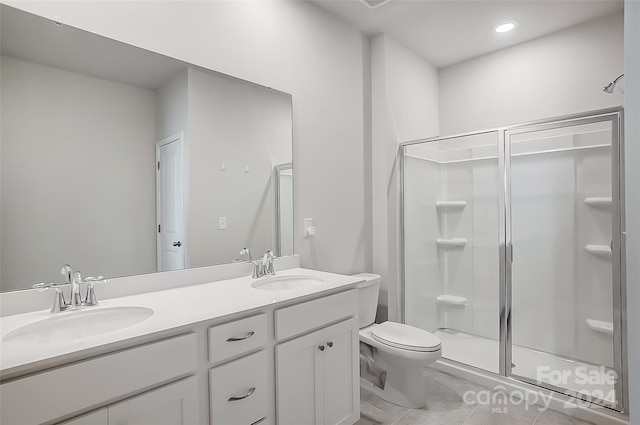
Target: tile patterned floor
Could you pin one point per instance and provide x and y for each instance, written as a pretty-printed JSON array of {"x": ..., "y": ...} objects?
[{"x": 446, "y": 406}]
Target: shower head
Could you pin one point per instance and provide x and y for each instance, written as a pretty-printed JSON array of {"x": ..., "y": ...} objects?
[{"x": 612, "y": 85}]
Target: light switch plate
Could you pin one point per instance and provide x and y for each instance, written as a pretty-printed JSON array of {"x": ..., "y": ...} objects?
[{"x": 222, "y": 223}]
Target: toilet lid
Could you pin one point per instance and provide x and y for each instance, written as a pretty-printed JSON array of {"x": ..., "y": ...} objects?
[{"x": 405, "y": 337}]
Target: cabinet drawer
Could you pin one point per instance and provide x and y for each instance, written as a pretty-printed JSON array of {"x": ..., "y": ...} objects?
[
  {"x": 303, "y": 317},
  {"x": 238, "y": 391},
  {"x": 241, "y": 336},
  {"x": 108, "y": 377}
]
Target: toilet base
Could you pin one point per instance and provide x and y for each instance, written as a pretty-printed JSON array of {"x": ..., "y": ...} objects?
[{"x": 392, "y": 395}]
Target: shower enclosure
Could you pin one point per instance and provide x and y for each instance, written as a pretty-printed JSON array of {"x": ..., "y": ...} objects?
[{"x": 512, "y": 251}]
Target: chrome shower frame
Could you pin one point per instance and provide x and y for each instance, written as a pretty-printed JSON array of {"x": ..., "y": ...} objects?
[{"x": 615, "y": 116}]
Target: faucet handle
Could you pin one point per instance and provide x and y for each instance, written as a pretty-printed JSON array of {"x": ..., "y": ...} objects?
[
  {"x": 67, "y": 272},
  {"x": 247, "y": 252},
  {"x": 59, "y": 303},
  {"x": 268, "y": 256},
  {"x": 98, "y": 279},
  {"x": 90, "y": 299},
  {"x": 44, "y": 286}
]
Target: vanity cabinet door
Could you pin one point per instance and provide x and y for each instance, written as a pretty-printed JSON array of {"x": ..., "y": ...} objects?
[
  {"x": 173, "y": 404},
  {"x": 97, "y": 417},
  {"x": 299, "y": 380},
  {"x": 317, "y": 377},
  {"x": 341, "y": 373}
]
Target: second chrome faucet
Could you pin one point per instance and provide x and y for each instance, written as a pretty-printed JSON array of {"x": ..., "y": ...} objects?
[
  {"x": 263, "y": 266},
  {"x": 75, "y": 299}
]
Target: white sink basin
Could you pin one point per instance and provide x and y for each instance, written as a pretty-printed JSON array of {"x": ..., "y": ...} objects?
[
  {"x": 78, "y": 324},
  {"x": 286, "y": 283}
]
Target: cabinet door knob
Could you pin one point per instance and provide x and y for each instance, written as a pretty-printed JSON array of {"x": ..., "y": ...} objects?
[
  {"x": 251, "y": 391},
  {"x": 178, "y": 244},
  {"x": 330, "y": 344},
  {"x": 321, "y": 348}
]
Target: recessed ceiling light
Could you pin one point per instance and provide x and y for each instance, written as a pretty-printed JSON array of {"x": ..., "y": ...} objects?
[{"x": 505, "y": 26}]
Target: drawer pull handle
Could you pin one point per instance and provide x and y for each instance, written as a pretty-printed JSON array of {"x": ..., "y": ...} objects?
[
  {"x": 330, "y": 344},
  {"x": 251, "y": 391},
  {"x": 258, "y": 421},
  {"x": 241, "y": 338},
  {"x": 321, "y": 348}
]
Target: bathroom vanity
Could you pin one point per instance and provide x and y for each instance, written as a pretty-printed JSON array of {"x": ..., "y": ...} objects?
[{"x": 272, "y": 350}]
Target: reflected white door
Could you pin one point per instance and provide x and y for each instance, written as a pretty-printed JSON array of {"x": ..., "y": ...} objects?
[{"x": 169, "y": 204}]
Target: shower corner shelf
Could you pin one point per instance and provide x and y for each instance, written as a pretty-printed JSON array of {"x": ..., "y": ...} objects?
[
  {"x": 598, "y": 201},
  {"x": 600, "y": 250},
  {"x": 453, "y": 300},
  {"x": 451, "y": 243},
  {"x": 451, "y": 205},
  {"x": 600, "y": 326}
]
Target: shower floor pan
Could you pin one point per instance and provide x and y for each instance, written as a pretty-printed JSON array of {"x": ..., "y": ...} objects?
[{"x": 483, "y": 353}]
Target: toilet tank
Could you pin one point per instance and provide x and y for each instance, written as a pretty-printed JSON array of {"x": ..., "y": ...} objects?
[{"x": 368, "y": 298}]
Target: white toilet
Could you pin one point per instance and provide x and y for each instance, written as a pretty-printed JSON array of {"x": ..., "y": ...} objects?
[{"x": 392, "y": 355}]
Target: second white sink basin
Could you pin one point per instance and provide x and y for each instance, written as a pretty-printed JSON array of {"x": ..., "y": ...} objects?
[
  {"x": 78, "y": 324},
  {"x": 286, "y": 283}
]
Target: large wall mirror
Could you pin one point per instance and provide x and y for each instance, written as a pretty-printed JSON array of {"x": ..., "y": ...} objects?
[{"x": 121, "y": 161}]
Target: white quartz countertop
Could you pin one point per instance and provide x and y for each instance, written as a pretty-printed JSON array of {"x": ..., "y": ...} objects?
[{"x": 172, "y": 309}]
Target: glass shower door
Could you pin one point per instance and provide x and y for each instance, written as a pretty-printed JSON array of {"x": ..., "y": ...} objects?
[
  {"x": 564, "y": 295},
  {"x": 451, "y": 231}
]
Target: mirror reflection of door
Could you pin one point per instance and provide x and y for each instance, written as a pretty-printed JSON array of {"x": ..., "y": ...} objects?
[
  {"x": 169, "y": 198},
  {"x": 284, "y": 209}
]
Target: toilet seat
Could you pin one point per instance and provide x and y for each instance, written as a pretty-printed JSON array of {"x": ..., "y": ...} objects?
[{"x": 405, "y": 337}]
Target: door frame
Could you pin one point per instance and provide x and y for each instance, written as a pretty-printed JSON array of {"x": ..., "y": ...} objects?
[
  {"x": 616, "y": 116},
  {"x": 178, "y": 137},
  {"x": 618, "y": 251}
]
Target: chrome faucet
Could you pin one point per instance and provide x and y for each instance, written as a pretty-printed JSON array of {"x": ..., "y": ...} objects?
[
  {"x": 267, "y": 263},
  {"x": 264, "y": 266},
  {"x": 75, "y": 300},
  {"x": 246, "y": 252}
]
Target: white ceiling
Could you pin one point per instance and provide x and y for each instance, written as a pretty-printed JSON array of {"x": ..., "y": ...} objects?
[{"x": 446, "y": 32}]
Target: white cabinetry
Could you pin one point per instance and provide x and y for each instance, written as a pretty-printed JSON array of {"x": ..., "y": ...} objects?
[
  {"x": 173, "y": 404},
  {"x": 317, "y": 377},
  {"x": 96, "y": 381},
  {"x": 237, "y": 337},
  {"x": 239, "y": 391},
  {"x": 163, "y": 380},
  {"x": 97, "y": 417}
]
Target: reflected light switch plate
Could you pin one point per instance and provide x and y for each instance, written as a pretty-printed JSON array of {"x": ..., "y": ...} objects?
[{"x": 222, "y": 223}]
